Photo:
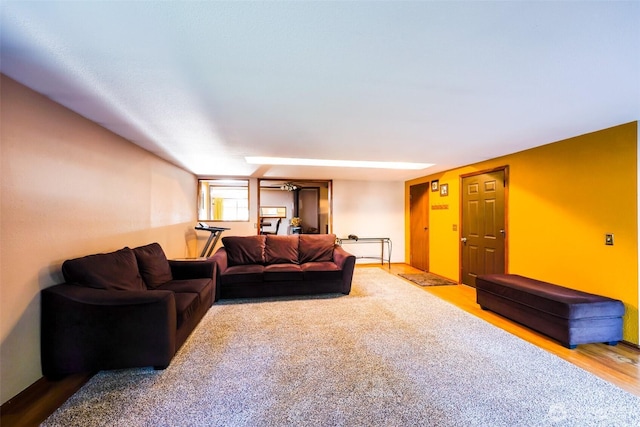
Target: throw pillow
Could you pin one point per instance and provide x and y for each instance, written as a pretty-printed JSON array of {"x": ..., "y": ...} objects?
[
  {"x": 316, "y": 247},
  {"x": 281, "y": 249},
  {"x": 111, "y": 271},
  {"x": 153, "y": 265},
  {"x": 243, "y": 250}
]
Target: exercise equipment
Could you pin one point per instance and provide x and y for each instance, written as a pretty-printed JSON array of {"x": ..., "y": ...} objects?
[{"x": 213, "y": 238}]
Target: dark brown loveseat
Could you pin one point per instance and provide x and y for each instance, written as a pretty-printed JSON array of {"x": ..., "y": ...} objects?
[
  {"x": 274, "y": 265},
  {"x": 124, "y": 309}
]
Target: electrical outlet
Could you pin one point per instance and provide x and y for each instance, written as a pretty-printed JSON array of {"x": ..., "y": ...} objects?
[{"x": 608, "y": 239}]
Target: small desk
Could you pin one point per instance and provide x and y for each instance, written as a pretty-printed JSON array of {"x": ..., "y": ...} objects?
[{"x": 382, "y": 240}]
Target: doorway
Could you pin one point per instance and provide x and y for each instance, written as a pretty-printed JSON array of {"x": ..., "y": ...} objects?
[
  {"x": 484, "y": 234},
  {"x": 309, "y": 209},
  {"x": 308, "y": 201},
  {"x": 419, "y": 226}
]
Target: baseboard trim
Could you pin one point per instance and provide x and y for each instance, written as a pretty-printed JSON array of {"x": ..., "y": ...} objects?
[
  {"x": 630, "y": 344},
  {"x": 34, "y": 404}
]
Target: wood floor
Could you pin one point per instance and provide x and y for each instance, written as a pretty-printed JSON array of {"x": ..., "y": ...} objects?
[{"x": 618, "y": 365}]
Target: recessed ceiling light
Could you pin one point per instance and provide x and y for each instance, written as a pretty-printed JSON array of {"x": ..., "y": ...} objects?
[{"x": 336, "y": 163}]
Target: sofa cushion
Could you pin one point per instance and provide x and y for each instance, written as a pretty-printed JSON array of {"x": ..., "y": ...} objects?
[
  {"x": 243, "y": 250},
  {"x": 321, "y": 271},
  {"x": 316, "y": 247},
  {"x": 282, "y": 272},
  {"x": 111, "y": 271},
  {"x": 202, "y": 287},
  {"x": 281, "y": 249},
  {"x": 153, "y": 265},
  {"x": 242, "y": 274},
  {"x": 556, "y": 300},
  {"x": 186, "y": 306}
]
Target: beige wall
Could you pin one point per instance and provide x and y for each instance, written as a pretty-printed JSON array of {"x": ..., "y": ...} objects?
[
  {"x": 72, "y": 188},
  {"x": 370, "y": 209}
]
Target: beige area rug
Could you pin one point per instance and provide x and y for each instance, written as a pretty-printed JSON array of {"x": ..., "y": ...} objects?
[
  {"x": 427, "y": 279},
  {"x": 388, "y": 354}
]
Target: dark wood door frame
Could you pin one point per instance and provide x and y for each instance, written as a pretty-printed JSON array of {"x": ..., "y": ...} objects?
[{"x": 504, "y": 168}]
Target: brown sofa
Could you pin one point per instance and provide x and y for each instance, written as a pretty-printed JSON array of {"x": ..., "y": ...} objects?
[
  {"x": 274, "y": 265},
  {"x": 124, "y": 309}
]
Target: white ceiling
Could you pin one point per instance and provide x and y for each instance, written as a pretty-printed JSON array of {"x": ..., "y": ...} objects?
[{"x": 204, "y": 84}]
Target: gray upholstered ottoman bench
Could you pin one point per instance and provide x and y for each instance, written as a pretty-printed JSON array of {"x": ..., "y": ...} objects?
[{"x": 567, "y": 315}]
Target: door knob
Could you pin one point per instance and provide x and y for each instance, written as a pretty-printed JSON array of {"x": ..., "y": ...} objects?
[{"x": 463, "y": 240}]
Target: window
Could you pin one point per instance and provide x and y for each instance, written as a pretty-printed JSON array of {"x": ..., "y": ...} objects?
[{"x": 223, "y": 200}]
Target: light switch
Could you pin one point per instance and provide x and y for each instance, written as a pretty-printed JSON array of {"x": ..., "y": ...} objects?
[{"x": 608, "y": 239}]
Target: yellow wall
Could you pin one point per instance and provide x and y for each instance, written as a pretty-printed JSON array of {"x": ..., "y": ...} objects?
[
  {"x": 71, "y": 188},
  {"x": 562, "y": 199}
]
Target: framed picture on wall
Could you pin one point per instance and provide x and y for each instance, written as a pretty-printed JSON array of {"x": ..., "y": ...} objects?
[
  {"x": 444, "y": 190},
  {"x": 434, "y": 185}
]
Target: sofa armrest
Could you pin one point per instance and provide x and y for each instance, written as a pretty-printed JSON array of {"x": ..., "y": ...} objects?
[
  {"x": 192, "y": 269},
  {"x": 347, "y": 263},
  {"x": 342, "y": 257},
  {"x": 221, "y": 261},
  {"x": 86, "y": 330}
]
